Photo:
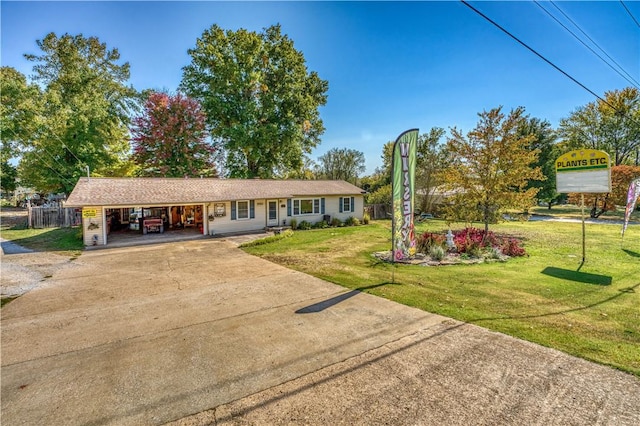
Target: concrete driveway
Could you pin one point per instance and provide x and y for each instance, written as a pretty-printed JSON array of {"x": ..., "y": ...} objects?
[{"x": 199, "y": 332}]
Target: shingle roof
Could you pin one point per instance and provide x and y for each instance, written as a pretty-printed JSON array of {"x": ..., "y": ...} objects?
[{"x": 143, "y": 191}]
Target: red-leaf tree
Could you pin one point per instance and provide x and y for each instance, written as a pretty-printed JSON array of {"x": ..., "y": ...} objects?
[
  {"x": 621, "y": 177},
  {"x": 169, "y": 138}
]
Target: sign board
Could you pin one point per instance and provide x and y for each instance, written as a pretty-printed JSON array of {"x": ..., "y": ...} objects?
[
  {"x": 89, "y": 212},
  {"x": 583, "y": 170}
]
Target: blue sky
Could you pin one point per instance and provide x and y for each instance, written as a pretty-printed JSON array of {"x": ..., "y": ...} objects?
[{"x": 391, "y": 66}]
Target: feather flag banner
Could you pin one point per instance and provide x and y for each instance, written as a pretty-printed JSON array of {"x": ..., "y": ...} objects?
[
  {"x": 403, "y": 187},
  {"x": 632, "y": 198}
]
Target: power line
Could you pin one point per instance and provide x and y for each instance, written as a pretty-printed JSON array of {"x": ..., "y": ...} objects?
[
  {"x": 46, "y": 164},
  {"x": 537, "y": 54},
  {"x": 629, "y": 79},
  {"x": 630, "y": 14},
  {"x": 593, "y": 41}
]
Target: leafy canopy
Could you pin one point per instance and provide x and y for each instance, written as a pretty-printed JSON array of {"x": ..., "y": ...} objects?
[
  {"x": 490, "y": 168},
  {"x": 612, "y": 126},
  {"x": 544, "y": 141},
  {"x": 341, "y": 164},
  {"x": 19, "y": 112},
  {"x": 260, "y": 100},
  {"x": 84, "y": 116},
  {"x": 169, "y": 138}
]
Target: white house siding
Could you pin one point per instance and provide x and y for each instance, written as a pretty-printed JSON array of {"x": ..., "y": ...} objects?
[
  {"x": 94, "y": 236},
  {"x": 225, "y": 224},
  {"x": 331, "y": 208}
]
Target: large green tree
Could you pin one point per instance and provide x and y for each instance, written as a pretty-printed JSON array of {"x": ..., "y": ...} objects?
[
  {"x": 19, "y": 115},
  {"x": 543, "y": 141},
  {"x": 260, "y": 100},
  {"x": 86, "y": 105},
  {"x": 169, "y": 138},
  {"x": 341, "y": 164},
  {"x": 612, "y": 125},
  {"x": 490, "y": 168}
]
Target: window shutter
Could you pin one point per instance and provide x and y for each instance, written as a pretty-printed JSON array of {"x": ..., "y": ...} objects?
[
  {"x": 289, "y": 207},
  {"x": 340, "y": 205},
  {"x": 252, "y": 209},
  {"x": 233, "y": 210},
  {"x": 321, "y": 205},
  {"x": 353, "y": 208}
]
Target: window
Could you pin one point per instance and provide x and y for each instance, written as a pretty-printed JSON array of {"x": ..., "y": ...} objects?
[
  {"x": 346, "y": 204},
  {"x": 243, "y": 209},
  {"x": 306, "y": 206}
]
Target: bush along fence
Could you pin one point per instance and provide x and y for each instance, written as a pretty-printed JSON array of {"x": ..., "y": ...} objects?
[{"x": 54, "y": 217}]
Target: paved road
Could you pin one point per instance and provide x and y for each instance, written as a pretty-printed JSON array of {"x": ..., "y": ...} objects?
[{"x": 199, "y": 332}]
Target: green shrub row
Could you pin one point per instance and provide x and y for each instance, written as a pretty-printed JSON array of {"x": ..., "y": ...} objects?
[{"x": 335, "y": 223}]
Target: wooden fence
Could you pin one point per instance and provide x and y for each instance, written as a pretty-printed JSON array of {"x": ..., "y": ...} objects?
[
  {"x": 378, "y": 211},
  {"x": 54, "y": 217}
]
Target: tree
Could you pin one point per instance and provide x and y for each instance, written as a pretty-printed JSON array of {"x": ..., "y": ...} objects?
[
  {"x": 169, "y": 138},
  {"x": 612, "y": 125},
  {"x": 19, "y": 111},
  {"x": 490, "y": 168},
  {"x": 544, "y": 141},
  {"x": 431, "y": 160},
  {"x": 621, "y": 177},
  {"x": 378, "y": 185},
  {"x": 261, "y": 102},
  {"x": 342, "y": 164},
  {"x": 85, "y": 113}
]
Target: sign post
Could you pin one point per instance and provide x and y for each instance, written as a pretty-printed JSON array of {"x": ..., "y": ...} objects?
[{"x": 583, "y": 171}]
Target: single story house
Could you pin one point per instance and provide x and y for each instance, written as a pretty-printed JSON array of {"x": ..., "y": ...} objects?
[{"x": 208, "y": 206}]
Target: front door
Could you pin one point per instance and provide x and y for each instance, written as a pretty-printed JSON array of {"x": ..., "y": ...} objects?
[{"x": 272, "y": 213}]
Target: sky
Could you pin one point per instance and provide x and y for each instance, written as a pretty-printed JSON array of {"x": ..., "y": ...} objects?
[{"x": 391, "y": 66}]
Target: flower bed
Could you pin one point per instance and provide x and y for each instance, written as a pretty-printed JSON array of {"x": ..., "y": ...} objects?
[{"x": 468, "y": 245}]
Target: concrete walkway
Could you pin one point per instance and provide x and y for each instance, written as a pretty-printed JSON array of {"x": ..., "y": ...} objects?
[
  {"x": 8, "y": 247},
  {"x": 198, "y": 332}
]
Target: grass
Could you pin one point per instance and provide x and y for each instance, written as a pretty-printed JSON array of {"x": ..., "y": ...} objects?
[
  {"x": 573, "y": 211},
  {"x": 592, "y": 313},
  {"x": 68, "y": 241}
]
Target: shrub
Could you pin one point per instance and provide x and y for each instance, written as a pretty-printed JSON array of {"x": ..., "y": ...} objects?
[
  {"x": 473, "y": 242},
  {"x": 335, "y": 222},
  {"x": 352, "y": 221},
  {"x": 511, "y": 247},
  {"x": 437, "y": 253},
  {"x": 366, "y": 218},
  {"x": 321, "y": 225},
  {"x": 294, "y": 224},
  {"x": 427, "y": 240},
  {"x": 304, "y": 225},
  {"x": 495, "y": 253}
]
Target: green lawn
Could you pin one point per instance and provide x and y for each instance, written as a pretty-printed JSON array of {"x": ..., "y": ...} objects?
[
  {"x": 593, "y": 313},
  {"x": 573, "y": 211},
  {"x": 66, "y": 240}
]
